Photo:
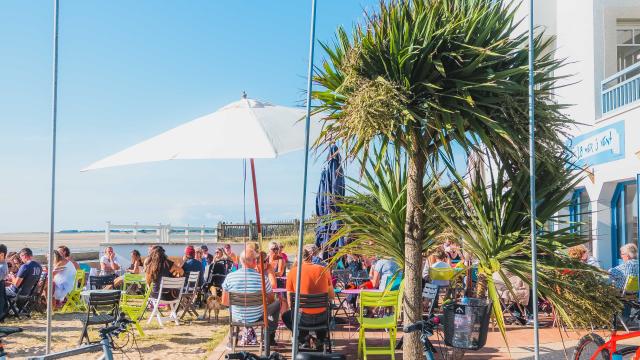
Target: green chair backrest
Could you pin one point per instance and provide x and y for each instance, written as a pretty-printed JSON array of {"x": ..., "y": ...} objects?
[
  {"x": 379, "y": 299},
  {"x": 442, "y": 273},
  {"x": 80, "y": 280},
  {"x": 133, "y": 279}
]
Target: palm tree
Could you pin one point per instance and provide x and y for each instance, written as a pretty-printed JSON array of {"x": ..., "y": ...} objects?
[
  {"x": 423, "y": 75},
  {"x": 490, "y": 214}
]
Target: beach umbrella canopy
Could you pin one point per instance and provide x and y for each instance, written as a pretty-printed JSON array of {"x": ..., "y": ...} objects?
[
  {"x": 245, "y": 129},
  {"x": 331, "y": 185}
]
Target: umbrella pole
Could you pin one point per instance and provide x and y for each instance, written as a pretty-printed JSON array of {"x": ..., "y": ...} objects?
[
  {"x": 296, "y": 305},
  {"x": 261, "y": 261},
  {"x": 54, "y": 115}
]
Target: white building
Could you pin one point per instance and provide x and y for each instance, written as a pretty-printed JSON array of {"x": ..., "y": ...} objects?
[{"x": 601, "y": 40}]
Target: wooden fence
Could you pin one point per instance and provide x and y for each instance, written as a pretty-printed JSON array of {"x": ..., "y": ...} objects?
[{"x": 269, "y": 230}]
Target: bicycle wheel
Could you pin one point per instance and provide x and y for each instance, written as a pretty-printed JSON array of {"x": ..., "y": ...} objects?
[{"x": 587, "y": 346}]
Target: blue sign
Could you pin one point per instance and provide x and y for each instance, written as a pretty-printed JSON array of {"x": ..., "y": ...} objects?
[{"x": 599, "y": 146}]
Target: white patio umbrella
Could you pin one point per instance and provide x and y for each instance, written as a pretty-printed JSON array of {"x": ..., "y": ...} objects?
[{"x": 245, "y": 129}]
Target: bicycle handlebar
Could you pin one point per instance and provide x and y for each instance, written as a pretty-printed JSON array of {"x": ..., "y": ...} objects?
[
  {"x": 119, "y": 326},
  {"x": 422, "y": 325}
]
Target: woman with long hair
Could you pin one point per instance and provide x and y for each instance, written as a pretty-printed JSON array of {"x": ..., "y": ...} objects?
[
  {"x": 134, "y": 268},
  {"x": 159, "y": 265},
  {"x": 136, "y": 262}
]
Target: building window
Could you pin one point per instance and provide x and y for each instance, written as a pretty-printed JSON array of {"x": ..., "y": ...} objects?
[
  {"x": 624, "y": 216},
  {"x": 628, "y": 43},
  {"x": 580, "y": 213}
]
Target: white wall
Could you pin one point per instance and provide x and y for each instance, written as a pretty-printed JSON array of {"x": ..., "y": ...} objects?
[{"x": 576, "y": 41}]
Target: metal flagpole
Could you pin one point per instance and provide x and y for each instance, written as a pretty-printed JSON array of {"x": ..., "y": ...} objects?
[
  {"x": 296, "y": 307},
  {"x": 54, "y": 113},
  {"x": 532, "y": 188}
]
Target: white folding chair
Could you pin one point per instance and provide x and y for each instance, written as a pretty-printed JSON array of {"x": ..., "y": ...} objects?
[{"x": 169, "y": 295}]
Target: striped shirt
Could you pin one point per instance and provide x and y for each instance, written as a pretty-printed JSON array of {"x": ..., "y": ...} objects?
[{"x": 245, "y": 281}]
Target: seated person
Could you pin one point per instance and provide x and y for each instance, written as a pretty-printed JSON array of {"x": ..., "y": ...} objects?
[
  {"x": 136, "y": 263},
  {"x": 384, "y": 269},
  {"x": 28, "y": 274},
  {"x": 4, "y": 268},
  {"x": 629, "y": 267},
  {"x": 160, "y": 266},
  {"x": 64, "y": 277},
  {"x": 275, "y": 259},
  {"x": 515, "y": 296},
  {"x": 219, "y": 255},
  {"x": 134, "y": 268},
  {"x": 248, "y": 280},
  {"x": 441, "y": 262},
  {"x": 230, "y": 254},
  {"x": 108, "y": 263},
  {"x": 454, "y": 254},
  {"x": 13, "y": 263},
  {"x": 191, "y": 264},
  {"x": 314, "y": 279},
  {"x": 271, "y": 276},
  {"x": 581, "y": 253},
  {"x": 66, "y": 253}
]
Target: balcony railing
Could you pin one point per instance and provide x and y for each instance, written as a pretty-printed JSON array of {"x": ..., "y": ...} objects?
[{"x": 621, "y": 89}]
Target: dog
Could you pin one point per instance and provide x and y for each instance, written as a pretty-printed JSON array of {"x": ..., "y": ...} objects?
[{"x": 213, "y": 304}]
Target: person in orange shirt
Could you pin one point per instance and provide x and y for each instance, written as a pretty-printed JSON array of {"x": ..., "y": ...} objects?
[{"x": 314, "y": 279}]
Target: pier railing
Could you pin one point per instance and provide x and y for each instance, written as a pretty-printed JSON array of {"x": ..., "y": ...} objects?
[{"x": 160, "y": 233}]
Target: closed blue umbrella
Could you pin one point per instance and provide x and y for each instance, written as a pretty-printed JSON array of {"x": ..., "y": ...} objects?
[{"x": 331, "y": 186}]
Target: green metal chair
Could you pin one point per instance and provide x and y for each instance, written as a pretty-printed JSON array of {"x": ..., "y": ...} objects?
[
  {"x": 377, "y": 299},
  {"x": 135, "y": 295},
  {"x": 74, "y": 302}
]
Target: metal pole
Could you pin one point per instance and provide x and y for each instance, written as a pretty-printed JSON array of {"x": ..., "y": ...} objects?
[
  {"x": 638, "y": 223},
  {"x": 296, "y": 307},
  {"x": 54, "y": 115},
  {"x": 532, "y": 188}
]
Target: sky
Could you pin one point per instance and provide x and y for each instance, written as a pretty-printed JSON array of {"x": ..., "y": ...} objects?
[{"x": 129, "y": 70}]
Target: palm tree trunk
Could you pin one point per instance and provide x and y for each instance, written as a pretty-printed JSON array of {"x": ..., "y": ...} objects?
[{"x": 414, "y": 233}]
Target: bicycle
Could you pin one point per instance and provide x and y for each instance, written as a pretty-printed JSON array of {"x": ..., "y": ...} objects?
[
  {"x": 592, "y": 346},
  {"x": 426, "y": 328},
  {"x": 276, "y": 356},
  {"x": 106, "y": 342}
]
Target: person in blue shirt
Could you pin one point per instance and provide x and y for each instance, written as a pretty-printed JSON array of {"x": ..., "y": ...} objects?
[
  {"x": 28, "y": 274},
  {"x": 629, "y": 267},
  {"x": 191, "y": 264}
]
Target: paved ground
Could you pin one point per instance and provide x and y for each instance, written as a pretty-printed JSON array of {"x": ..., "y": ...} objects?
[{"x": 553, "y": 344}]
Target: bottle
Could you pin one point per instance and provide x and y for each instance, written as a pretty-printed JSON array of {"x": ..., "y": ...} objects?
[{"x": 462, "y": 324}]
